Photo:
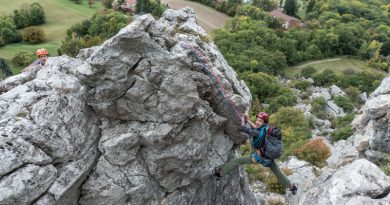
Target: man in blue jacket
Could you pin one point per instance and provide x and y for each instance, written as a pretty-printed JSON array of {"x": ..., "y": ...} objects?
[{"x": 256, "y": 130}]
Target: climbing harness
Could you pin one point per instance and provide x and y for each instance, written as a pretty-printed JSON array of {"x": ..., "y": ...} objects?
[{"x": 207, "y": 68}]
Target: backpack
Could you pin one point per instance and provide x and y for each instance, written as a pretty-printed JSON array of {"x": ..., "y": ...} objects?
[{"x": 273, "y": 146}]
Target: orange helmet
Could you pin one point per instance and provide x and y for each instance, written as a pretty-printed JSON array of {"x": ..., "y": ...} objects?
[{"x": 42, "y": 51}]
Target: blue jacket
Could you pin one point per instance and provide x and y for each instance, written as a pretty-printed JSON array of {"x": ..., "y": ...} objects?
[{"x": 254, "y": 133}]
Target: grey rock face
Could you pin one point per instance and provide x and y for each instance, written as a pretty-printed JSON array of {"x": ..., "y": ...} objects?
[
  {"x": 360, "y": 182},
  {"x": 373, "y": 119},
  {"x": 136, "y": 120},
  {"x": 336, "y": 91},
  {"x": 342, "y": 153},
  {"x": 302, "y": 173},
  {"x": 320, "y": 92},
  {"x": 334, "y": 110}
]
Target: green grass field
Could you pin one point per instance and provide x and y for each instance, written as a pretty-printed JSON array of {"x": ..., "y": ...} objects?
[
  {"x": 60, "y": 15},
  {"x": 338, "y": 65}
]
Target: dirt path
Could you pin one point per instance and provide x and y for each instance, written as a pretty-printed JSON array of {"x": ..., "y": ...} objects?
[
  {"x": 319, "y": 61},
  {"x": 208, "y": 18}
]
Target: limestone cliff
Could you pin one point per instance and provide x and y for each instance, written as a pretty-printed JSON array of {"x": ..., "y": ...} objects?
[{"x": 136, "y": 120}]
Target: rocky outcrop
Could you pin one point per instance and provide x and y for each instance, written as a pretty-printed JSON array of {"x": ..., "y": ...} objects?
[
  {"x": 373, "y": 122},
  {"x": 342, "y": 152},
  {"x": 137, "y": 120},
  {"x": 360, "y": 182}
]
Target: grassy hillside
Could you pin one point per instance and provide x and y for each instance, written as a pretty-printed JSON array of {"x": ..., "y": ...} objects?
[
  {"x": 60, "y": 15},
  {"x": 338, "y": 65}
]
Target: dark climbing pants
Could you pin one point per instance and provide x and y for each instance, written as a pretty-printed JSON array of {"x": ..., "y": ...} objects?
[{"x": 282, "y": 178}]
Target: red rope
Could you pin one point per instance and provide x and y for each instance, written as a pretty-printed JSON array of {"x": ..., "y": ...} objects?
[{"x": 219, "y": 82}]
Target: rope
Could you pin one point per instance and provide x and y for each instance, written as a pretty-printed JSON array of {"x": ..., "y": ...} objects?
[{"x": 200, "y": 57}]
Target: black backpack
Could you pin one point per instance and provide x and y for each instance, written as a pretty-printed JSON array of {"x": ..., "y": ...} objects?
[{"x": 273, "y": 146}]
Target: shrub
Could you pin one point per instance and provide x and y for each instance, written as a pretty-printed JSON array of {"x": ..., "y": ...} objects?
[
  {"x": 318, "y": 107},
  {"x": 343, "y": 121},
  {"x": 289, "y": 117},
  {"x": 258, "y": 172},
  {"x": 342, "y": 133},
  {"x": 5, "y": 71},
  {"x": 302, "y": 84},
  {"x": 315, "y": 152},
  {"x": 353, "y": 93},
  {"x": 284, "y": 97},
  {"x": 255, "y": 172},
  {"x": 272, "y": 182},
  {"x": 295, "y": 128},
  {"x": 385, "y": 164},
  {"x": 308, "y": 72},
  {"x": 364, "y": 81},
  {"x": 33, "y": 35},
  {"x": 246, "y": 149},
  {"x": 325, "y": 78},
  {"x": 23, "y": 59},
  {"x": 2, "y": 75},
  {"x": 349, "y": 71},
  {"x": 345, "y": 103},
  {"x": 2, "y": 42}
]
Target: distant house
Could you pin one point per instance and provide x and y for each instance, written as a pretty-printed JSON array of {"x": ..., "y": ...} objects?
[{"x": 288, "y": 20}]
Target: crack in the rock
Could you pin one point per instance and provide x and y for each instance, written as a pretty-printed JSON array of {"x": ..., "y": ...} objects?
[
  {"x": 22, "y": 166},
  {"x": 36, "y": 200},
  {"x": 149, "y": 175},
  {"x": 112, "y": 179},
  {"x": 133, "y": 67}
]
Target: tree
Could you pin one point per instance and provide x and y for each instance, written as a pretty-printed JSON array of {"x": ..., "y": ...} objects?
[
  {"x": 90, "y": 2},
  {"x": 261, "y": 85},
  {"x": 36, "y": 14},
  {"x": 385, "y": 49},
  {"x": 281, "y": 3},
  {"x": 93, "y": 31},
  {"x": 291, "y": 7},
  {"x": 20, "y": 19},
  {"x": 310, "y": 6},
  {"x": 266, "y": 5},
  {"x": 150, "y": 6},
  {"x": 107, "y": 3},
  {"x": 10, "y": 36},
  {"x": 31, "y": 15}
]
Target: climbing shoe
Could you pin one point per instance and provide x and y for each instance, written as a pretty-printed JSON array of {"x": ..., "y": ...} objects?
[
  {"x": 218, "y": 173},
  {"x": 293, "y": 189}
]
